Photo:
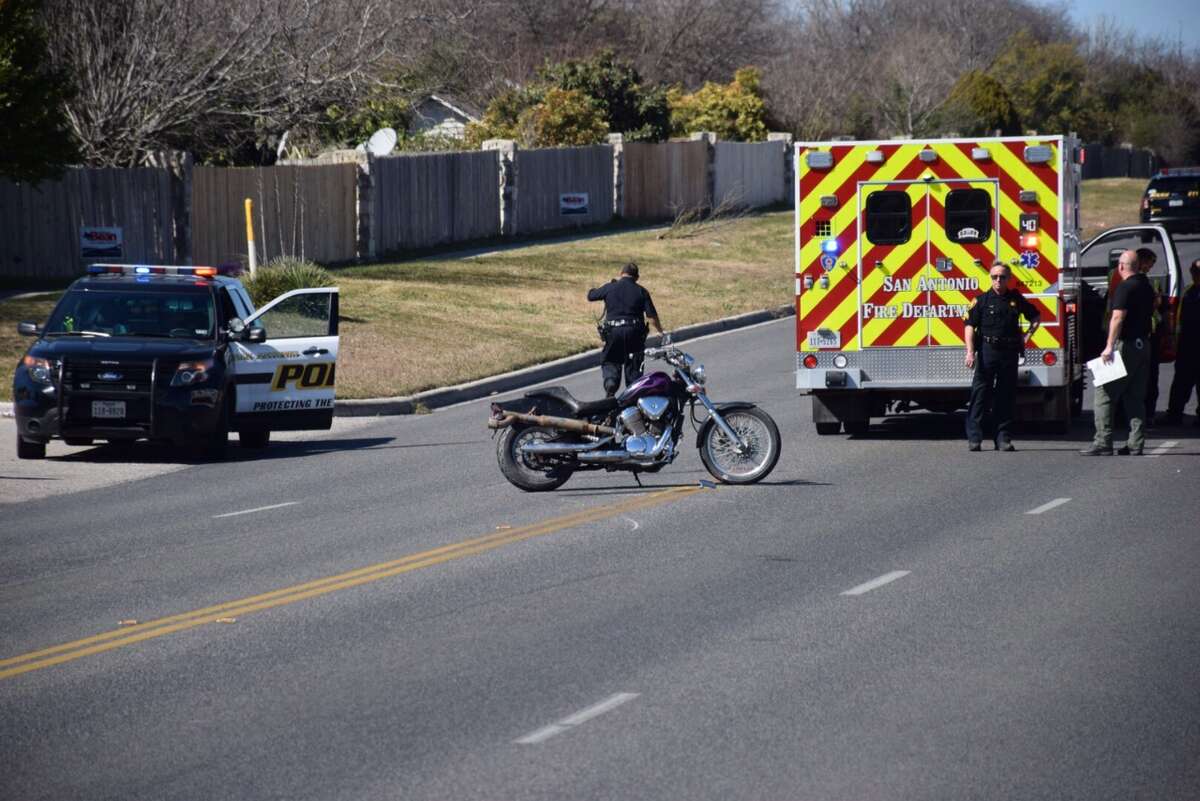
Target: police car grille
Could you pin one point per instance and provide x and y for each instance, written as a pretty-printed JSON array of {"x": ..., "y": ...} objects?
[
  {"x": 95, "y": 377},
  {"x": 87, "y": 380}
]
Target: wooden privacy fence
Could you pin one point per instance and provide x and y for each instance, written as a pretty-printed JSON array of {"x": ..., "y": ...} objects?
[
  {"x": 308, "y": 212},
  {"x": 40, "y": 226},
  {"x": 749, "y": 173},
  {"x": 662, "y": 179},
  {"x": 544, "y": 177},
  {"x": 418, "y": 201}
]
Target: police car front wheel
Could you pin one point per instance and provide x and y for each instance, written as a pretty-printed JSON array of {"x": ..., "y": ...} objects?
[{"x": 30, "y": 450}]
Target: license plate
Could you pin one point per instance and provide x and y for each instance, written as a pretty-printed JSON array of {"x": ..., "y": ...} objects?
[
  {"x": 1175, "y": 203},
  {"x": 824, "y": 339},
  {"x": 108, "y": 409}
]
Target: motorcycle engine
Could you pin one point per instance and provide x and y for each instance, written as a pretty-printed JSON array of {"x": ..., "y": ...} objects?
[{"x": 643, "y": 424}]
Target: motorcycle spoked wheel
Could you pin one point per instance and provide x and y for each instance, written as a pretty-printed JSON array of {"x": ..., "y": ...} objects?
[
  {"x": 720, "y": 455},
  {"x": 525, "y": 472}
]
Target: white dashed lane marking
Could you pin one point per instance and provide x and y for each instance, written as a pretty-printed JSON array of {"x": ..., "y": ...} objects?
[
  {"x": 874, "y": 584},
  {"x": 1046, "y": 507},
  {"x": 259, "y": 509},
  {"x": 1161, "y": 449},
  {"x": 582, "y": 716}
]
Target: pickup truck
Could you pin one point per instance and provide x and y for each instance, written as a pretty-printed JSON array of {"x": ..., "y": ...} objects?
[{"x": 1098, "y": 258}]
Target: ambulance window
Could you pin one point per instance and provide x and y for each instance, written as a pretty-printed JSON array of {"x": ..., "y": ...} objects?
[
  {"x": 968, "y": 215},
  {"x": 889, "y": 218}
]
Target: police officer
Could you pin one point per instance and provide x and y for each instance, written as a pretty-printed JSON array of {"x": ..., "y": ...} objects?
[
  {"x": 1129, "y": 334},
  {"x": 1146, "y": 259},
  {"x": 627, "y": 308},
  {"x": 994, "y": 344}
]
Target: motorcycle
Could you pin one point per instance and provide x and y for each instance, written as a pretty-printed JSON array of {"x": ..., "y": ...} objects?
[{"x": 548, "y": 435}]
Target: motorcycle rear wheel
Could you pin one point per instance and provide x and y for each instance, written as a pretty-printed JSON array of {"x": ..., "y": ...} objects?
[
  {"x": 721, "y": 457},
  {"x": 524, "y": 472}
]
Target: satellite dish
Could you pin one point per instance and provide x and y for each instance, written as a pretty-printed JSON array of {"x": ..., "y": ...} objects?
[{"x": 382, "y": 142}]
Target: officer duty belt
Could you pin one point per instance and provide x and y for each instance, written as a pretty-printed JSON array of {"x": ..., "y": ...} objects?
[
  {"x": 621, "y": 322},
  {"x": 1003, "y": 342}
]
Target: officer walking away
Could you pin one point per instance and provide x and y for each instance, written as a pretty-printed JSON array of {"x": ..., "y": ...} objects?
[
  {"x": 1146, "y": 260},
  {"x": 994, "y": 344},
  {"x": 1128, "y": 334},
  {"x": 1187, "y": 358},
  {"x": 627, "y": 308}
]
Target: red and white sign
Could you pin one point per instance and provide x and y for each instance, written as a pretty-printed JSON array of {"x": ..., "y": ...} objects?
[{"x": 101, "y": 243}]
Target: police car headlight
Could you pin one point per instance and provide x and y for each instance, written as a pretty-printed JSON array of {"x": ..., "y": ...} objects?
[
  {"x": 189, "y": 373},
  {"x": 697, "y": 372},
  {"x": 41, "y": 371}
]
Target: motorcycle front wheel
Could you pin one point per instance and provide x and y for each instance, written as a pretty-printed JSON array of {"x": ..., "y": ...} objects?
[
  {"x": 526, "y": 472},
  {"x": 721, "y": 456}
]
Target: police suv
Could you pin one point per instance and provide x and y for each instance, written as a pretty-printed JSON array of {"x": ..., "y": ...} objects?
[{"x": 177, "y": 354}]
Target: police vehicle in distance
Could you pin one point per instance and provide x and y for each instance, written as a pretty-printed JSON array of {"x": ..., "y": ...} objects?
[
  {"x": 177, "y": 354},
  {"x": 1172, "y": 199}
]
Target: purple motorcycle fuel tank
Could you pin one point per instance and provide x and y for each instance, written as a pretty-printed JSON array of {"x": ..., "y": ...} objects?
[{"x": 651, "y": 384}]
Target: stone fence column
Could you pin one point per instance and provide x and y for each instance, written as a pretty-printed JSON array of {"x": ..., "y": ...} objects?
[
  {"x": 789, "y": 165},
  {"x": 710, "y": 184},
  {"x": 618, "y": 145},
  {"x": 508, "y": 183}
]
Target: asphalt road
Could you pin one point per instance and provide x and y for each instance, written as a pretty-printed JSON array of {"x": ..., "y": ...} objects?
[{"x": 381, "y": 615}]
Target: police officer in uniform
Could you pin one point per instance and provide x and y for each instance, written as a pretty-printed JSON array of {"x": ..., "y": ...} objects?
[
  {"x": 994, "y": 344},
  {"x": 1129, "y": 334},
  {"x": 627, "y": 308}
]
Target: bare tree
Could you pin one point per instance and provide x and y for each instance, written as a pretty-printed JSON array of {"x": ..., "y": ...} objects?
[{"x": 160, "y": 74}]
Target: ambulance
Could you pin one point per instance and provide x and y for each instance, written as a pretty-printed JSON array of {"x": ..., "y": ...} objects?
[{"x": 893, "y": 242}]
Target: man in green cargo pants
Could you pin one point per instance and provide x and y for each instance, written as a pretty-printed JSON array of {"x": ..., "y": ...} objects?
[{"x": 1128, "y": 334}]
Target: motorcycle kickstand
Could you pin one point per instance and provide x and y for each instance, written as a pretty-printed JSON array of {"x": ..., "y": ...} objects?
[{"x": 637, "y": 478}]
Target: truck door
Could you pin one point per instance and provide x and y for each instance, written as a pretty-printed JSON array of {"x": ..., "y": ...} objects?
[
  {"x": 893, "y": 252},
  {"x": 287, "y": 382},
  {"x": 964, "y": 239}
]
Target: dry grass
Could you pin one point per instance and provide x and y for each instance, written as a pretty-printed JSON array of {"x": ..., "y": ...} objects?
[
  {"x": 417, "y": 325},
  {"x": 1108, "y": 202}
]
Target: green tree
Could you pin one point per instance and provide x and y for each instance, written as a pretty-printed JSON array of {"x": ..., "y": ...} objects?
[
  {"x": 502, "y": 118},
  {"x": 564, "y": 118},
  {"x": 979, "y": 106},
  {"x": 628, "y": 105},
  {"x": 1046, "y": 83},
  {"x": 733, "y": 111},
  {"x": 35, "y": 141}
]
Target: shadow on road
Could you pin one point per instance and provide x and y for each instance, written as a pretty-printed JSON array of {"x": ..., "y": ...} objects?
[{"x": 157, "y": 453}]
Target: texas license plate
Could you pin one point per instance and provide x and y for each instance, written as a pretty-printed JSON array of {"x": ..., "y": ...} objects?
[
  {"x": 108, "y": 409},
  {"x": 1175, "y": 203},
  {"x": 824, "y": 338}
]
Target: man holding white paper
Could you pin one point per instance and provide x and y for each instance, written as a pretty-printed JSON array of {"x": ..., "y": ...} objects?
[{"x": 1128, "y": 335}]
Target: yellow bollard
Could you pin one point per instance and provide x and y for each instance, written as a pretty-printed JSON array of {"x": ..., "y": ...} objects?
[{"x": 250, "y": 234}]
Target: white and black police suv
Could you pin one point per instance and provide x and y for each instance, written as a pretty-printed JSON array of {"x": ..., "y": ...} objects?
[{"x": 178, "y": 354}]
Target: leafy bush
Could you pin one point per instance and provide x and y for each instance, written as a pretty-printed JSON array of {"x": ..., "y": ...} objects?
[{"x": 283, "y": 275}]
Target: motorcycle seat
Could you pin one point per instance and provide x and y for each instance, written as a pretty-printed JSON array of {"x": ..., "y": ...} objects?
[{"x": 578, "y": 408}]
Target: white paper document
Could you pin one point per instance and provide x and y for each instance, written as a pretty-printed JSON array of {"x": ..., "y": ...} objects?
[{"x": 1104, "y": 373}]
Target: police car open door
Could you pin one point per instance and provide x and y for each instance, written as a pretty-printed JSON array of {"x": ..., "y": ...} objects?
[{"x": 287, "y": 382}]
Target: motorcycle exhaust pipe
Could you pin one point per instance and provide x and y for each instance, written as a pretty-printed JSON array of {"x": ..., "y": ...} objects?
[
  {"x": 625, "y": 456},
  {"x": 506, "y": 419},
  {"x": 559, "y": 448}
]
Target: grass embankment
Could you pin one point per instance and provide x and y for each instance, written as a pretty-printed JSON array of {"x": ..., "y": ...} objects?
[{"x": 420, "y": 324}]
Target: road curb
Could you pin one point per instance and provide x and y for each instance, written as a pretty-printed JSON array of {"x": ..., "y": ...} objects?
[{"x": 528, "y": 376}]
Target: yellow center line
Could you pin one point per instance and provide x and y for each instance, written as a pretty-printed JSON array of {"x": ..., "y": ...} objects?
[{"x": 110, "y": 640}]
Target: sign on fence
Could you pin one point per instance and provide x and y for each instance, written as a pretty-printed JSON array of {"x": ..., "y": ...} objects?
[
  {"x": 573, "y": 203},
  {"x": 96, "y": 242}
]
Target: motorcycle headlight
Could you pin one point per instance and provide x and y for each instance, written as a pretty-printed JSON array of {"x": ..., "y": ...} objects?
[
  {"x": 698, "y": 373},
  {"x": 189, "y": 373},
  {"x": 40, "y": 370}
]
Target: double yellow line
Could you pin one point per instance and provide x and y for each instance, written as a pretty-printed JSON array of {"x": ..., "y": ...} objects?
[{"x": 119, "y": 638}]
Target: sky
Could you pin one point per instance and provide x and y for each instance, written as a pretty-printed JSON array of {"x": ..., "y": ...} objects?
[{"x": 1173, "y": 20}]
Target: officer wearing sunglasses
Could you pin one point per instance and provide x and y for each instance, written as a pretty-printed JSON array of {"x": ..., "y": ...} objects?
[{"x": 994, "y": 345}]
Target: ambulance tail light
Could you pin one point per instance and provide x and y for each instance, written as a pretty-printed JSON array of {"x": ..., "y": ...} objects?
[
  {"x": 1029, "y": 241},
  {"x": 810, "y": 361},
  {"x": 1050, "y": 358}
]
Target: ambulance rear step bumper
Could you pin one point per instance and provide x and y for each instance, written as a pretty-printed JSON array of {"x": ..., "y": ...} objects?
[{"x": 913, "y": 368}]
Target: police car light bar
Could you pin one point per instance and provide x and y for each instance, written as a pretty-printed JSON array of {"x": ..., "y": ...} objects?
[{"x": 164, "y": 269}]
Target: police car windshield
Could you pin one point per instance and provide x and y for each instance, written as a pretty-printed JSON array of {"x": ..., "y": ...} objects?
[{"x": 129, "y": 313}]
